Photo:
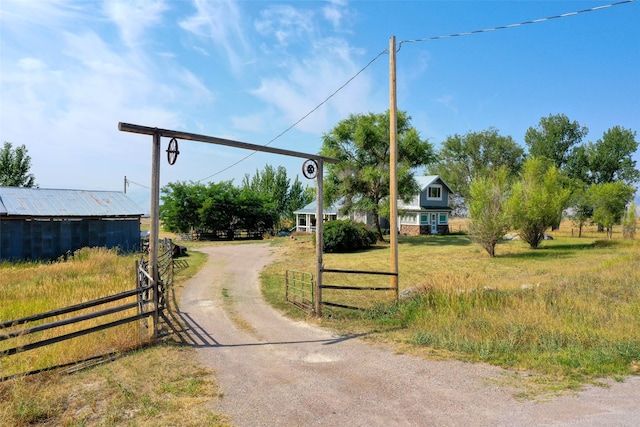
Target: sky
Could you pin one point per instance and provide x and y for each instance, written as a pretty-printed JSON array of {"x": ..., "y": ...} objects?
[{"x": 70, "y": 71}]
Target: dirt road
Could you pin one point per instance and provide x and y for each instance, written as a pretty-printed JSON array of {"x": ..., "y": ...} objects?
[{"x": 277, "y": 372}]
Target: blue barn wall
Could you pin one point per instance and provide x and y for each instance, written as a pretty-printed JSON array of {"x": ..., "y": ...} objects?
[{"x": 33, "y": 239}]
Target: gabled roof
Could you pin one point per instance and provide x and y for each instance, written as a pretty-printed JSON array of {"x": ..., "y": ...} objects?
[
  {"x": 425, "y": 181},
  {"x": 39, "y": 202}
]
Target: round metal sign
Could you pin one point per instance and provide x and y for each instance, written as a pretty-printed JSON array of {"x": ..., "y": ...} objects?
[
  {"x": 310, "y": 169},
  {"x": 172, "y": 151}
]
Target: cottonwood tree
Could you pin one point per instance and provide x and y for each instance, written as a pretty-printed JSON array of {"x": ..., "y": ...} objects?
[
  {"x": 180, "y": 206},
  {"x": 271, "y": 183},
  {"x": 537, "y": 199},
  {"x": 554, "y": 138},
  {"x": 489, "y": 219},
  {"x": 609, "y": 201},
  {"x": 610, "y": 158},
  {"x": 215, "y": 207},
  {"x": 463, "y": 158},
  {"x": 361, "y": 179},
  {"x": 275, "y": 186},
  {"x": 14, "y": 167}
]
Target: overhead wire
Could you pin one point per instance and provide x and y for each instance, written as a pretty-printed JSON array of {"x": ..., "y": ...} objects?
[
  {"x": 303, "y": 117},
  {"x": 400, "y": 43},
  {"x": 139, "y": 185},
  {"x": 519, "y": 24}
]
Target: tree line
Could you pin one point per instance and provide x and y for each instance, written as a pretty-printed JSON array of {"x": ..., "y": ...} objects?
[
  {"x": 263, "y": 203},
  {"x": 502, "y": 187}
]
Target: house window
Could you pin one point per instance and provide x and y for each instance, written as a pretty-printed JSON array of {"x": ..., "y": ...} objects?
[
  {"x": 408, "y": 219},
  {"x": 434, "y": 192},
  {"x": 442, "y": 219}
]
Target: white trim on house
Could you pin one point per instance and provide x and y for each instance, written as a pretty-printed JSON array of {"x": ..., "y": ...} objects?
[
  {"x": 415, "y": 213},
  {"x": 431, "y": 189}
]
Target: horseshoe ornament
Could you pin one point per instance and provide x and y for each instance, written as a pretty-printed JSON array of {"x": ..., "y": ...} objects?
[
  {"x": 310, "y": 169},
  {"x": 172, "y": 151}
]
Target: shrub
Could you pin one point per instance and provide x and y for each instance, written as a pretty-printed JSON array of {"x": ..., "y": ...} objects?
[{"x": 346, "y": 236}]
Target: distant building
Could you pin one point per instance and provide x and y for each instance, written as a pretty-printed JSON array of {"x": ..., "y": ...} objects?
[
  {"x": 40, "y": 223},
  {"x": 427, "y": 213}
]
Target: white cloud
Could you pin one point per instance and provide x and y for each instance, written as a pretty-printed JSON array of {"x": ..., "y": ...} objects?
[
  {"x": 449, "y": 102},
  {"x": 301, "y": 84},
  {"x": 65, "y": 107},
  {"x": 285, "y": 23},
  {"x": 220, "y": 22},
  {"x": 31, "y": 64},
  {"x": 134, "y": 17},
  {"x": 252, "y": 122},
  {"x": 334, "y": 13}
]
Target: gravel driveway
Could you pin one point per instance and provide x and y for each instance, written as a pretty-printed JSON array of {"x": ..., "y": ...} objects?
[{"x": 277, "y": 372}]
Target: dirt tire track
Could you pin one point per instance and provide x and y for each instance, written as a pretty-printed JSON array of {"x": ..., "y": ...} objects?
[{"x": 279, "y": 372}]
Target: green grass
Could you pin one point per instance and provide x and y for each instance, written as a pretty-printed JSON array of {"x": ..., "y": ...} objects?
[{"x": 568, "y": 312}]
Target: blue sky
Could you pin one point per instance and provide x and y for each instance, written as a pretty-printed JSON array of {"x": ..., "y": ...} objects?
[{"x": 247, "y": 70}]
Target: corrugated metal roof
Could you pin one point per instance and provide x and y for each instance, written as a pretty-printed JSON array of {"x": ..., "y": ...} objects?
[
  {"x": 311, "y": 209},
  {"x": 40, "y": 202}
]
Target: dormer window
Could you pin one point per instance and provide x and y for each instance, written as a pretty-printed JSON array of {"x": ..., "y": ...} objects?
[{"x": 434, "y": 192}]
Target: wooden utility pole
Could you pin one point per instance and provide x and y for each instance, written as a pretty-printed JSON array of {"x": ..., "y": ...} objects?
[
  {"x": 319, "y": 224},
  {"x": 154, "y": 227},
  {"x": 393, "y": 163}
]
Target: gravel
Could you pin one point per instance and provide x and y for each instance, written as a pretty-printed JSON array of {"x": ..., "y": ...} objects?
[{"x": 277, "y": 372}]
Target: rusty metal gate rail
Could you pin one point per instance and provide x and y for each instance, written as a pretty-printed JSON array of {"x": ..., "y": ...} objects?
[
  {"x": 148, "y": 304},
  {"x": 55, "y": 324},
  {"x": 354, "y": 288},
  {"x": 300, "y": 290}
]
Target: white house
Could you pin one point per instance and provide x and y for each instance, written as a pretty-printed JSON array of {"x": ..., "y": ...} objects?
[{"x": 427, "y": 213}]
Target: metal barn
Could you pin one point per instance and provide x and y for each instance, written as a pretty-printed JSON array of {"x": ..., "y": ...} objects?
[{"x": 40, "y": 223}]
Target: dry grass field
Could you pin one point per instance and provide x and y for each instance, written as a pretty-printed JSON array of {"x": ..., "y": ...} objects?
[
  {"x": 569, "y": 311},
  {"x": 159, "y": 385},
  {"x": 566, "y": 313}
]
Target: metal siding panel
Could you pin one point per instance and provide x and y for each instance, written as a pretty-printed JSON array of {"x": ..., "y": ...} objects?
[{"x": 10, "y": 243}]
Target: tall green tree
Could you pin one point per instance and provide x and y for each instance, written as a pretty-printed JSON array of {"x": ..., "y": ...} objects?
[
  {"x": 609, "y": 201},
  {"x": 537, "y": 199},
  {"x": 271, "y": 183},
  {"x": 215, "y": 207},
  {"x": 611, "y": 157},
  {"x": 463, "y": 158},
  {"x": 361, "y": 179},
  {"x": 285, "y": 196},
  {"x": 180, "y": 206},
  {"x": 554, "y": 138},
  {"x": 14, "y": 167},
  {"x": 489, "y": 218},
  {"x": 299, "y": 197}
]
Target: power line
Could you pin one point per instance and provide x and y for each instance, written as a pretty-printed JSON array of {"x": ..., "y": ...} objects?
[
  {"x": 302, "y": 118},
  {"x": 139, "y": 185},
  {"x": 519, "y": 24},
  {"x": 466, "y": 33}
]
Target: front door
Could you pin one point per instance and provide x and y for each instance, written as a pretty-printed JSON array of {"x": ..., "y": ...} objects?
[{"x": 434, "y": 223}]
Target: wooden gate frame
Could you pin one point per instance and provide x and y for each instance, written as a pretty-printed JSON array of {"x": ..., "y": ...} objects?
[{"x": 172, "y": 153}]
